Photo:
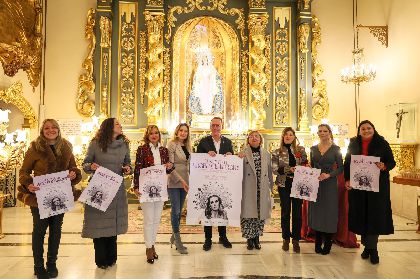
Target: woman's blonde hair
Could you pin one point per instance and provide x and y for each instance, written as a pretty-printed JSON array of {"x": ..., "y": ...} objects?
[
  {"x": 295, "y": 142},
  {"x": 187, "y": 141},
  {"x": 149, "y": 131},
  {"x": 254, "y": 131},
  {"x": 41, "y": 142}
]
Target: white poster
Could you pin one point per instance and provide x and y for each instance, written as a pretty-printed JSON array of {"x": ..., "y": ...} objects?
[
  {"x": 215, "y": 194},
  {"x": 55, "y": 195},
  {"x": 305, "y": 183},
  {"x": 364, "y": 174},
  {"x": 153, "y": 184},
  {"x": 102, "y": 189}
]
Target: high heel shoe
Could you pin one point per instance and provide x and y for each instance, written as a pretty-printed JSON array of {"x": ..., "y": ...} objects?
[
  {"x": 172, "y": 239},
  {"x": 155, "y": 256},
  {"x": 149, "y": 256}
]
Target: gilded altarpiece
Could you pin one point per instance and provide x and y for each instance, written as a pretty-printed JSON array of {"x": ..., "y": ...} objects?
[{"x": 148, "y": 56}]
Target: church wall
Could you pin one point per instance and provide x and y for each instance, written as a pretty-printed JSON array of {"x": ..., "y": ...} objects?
[
  {"x": 397, "y": 65},
  {"x": 65, "y": 53}
]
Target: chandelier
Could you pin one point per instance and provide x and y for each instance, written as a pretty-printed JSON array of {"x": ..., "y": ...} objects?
[
  {"x": 358, "y": 72},
  {"x": 12, "y": 146}
]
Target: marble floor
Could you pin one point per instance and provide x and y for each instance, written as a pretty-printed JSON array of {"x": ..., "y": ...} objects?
[{"x": 399, "y": 255}]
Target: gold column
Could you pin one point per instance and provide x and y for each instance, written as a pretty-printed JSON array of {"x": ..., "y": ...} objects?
[
  {"x": 258, "y": 62},
  {"x": 105, "y": 25},
  {"x": 155, "y": 73},
  {"x": 2, "y": 198},
  {"x": 304, "y": 95}
]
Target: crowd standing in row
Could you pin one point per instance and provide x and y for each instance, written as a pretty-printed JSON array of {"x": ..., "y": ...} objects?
[{"x": 370, "y": 213}]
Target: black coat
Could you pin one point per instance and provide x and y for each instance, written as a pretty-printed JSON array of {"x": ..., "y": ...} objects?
[
  {"x": 206, "y": 145},
  {"x": 370, "y": 212}
]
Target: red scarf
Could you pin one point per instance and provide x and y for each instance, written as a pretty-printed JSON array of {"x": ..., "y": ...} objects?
[{"x": 365, "y": 146}]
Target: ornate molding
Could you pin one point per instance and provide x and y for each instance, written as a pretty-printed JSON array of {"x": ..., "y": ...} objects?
[
  {"x": 127, "y": 61},
  {"x": 304, "y": 4},
  {"x": 21, "y": 38},
  {"x": 154, "y": 2},
  {"x": 213, "y": 5},
  {"x": 105, "y": 26},
  {"x": 303, "y": 35},
  {"x": 267, "y": 71},
  {"x": 167, "y": 77},
  {"x": 258, "y": 62},
  {"x": 14, "y": 95},
  {"x": 155, "y": 52},
  {"x": 142, "y": 64},
  {"x": 303, "y": 121},
  {"x": 379, "y": 32},
  {"x": 85, "y": 106},
  {"x": 256, "y": 4},
  {"x": 320, "y": 105}
]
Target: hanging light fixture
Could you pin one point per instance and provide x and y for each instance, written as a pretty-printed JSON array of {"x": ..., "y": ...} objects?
[{"x": 360, "y": 72}]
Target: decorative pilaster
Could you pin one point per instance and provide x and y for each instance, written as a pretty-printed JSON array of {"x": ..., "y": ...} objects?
[
  {"x": 105, "y": 25},
  {"x": 127, "y": 73},
  {"x": 155, "y": 72},
  {"x": 257, "y": 25},
  {"x": 304, "y": 65},
  {"x": 282, "y": 60}
]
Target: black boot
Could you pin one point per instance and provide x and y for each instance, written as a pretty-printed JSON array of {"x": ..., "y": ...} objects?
[
  {"x": 374, "y": 257},
  {"x": 365, "y": 254},
  {"x": 41, "y": 273},
  {"x": 52, "y": 270},
  {"x": 257, "y": 244},
  {"x": 318, "y": 242},
  {"x": 250, "y": 244},
  {"x": 327, "y": 244}
]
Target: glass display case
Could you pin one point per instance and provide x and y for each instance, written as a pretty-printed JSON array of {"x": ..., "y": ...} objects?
[{"x": 401, "y": 123}]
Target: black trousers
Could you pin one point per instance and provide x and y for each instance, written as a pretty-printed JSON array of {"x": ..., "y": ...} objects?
[
  {"x": 290, "y": 204},
  {"x": 105, "y": 250},
  {"x": 370, "y": 241},
  {"x": 208, "y": 231},
  {"x": 38, "y": 235}
]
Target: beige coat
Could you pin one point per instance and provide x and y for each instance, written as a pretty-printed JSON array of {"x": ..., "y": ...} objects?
[
  {"x": 181, "y": 164},
  {"x": 249, "y": 186}
]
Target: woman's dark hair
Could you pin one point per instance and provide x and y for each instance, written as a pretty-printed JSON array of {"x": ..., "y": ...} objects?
[
  {"x": 151, "y": 193},
  {"x": 56, "y": 207},
  {"x": 375, "y": 138},
  {"x": 104, "y": 135},
  {"x": 208, "y": 209},
  {"x": 367, "y": 122}
]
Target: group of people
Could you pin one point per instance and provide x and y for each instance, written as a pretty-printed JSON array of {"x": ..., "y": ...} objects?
[{"x": 369, "y": 212}]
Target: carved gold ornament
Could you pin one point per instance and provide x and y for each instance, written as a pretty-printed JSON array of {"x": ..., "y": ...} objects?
[
  {"x": 154, "y": 23},
  {"x": 244, "y": 71},
  {"x": 14, "y": 95},
  {"x": 21, "y": 38},
  {"x": 305, "y": 4},
  {"x": 154, "y": 2},
  {"x": 257, "y": 4},
  {"x": 303, "y": 35},
  {"x": 282, "y": 48},
  {"x": 258, "y": 78},
  {"x": 379, "y": 32},
  {"x": 142, "y": 64},
  {"x": 85, "y": 105},
  {"x": 105, "y": 25},
  {"x": 320, "y": 105},
  {"x": 303, "y": 110},
  {"x": 404, "y": 155},
  {"x": 213, "y": 5}
]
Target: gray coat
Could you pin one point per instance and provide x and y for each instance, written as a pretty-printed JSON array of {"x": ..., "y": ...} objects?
[
  {"x": 249, "y": 186},
  {"x": 114, "y": 220},
  {"x": 181, "y": 164}
]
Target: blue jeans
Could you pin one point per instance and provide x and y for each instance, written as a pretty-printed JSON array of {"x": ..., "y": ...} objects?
[{"x": 177, "y": 197}]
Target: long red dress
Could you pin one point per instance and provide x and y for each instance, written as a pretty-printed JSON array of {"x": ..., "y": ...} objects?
[{"x": 343, "y": 237}]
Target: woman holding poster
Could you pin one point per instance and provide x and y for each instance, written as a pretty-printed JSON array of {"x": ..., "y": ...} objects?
[
  {"x": 49, "y": 153},
  {"x": 152, "y": 153},
  {"x": 370, "y": 213},
  {"x": 257, "y": 185},
  {"x": 108, "y": 149},
  {"x": 284, "y": 160},
  {"x": 323, "y": 214},
  {"x": 179, "y": 154}
]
